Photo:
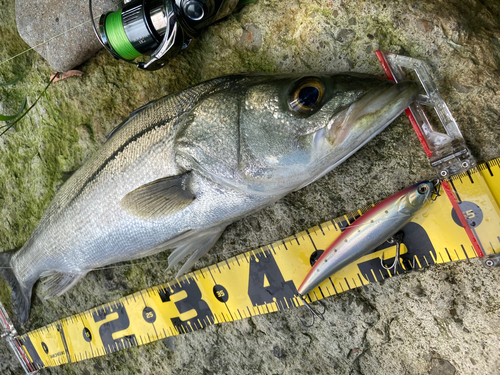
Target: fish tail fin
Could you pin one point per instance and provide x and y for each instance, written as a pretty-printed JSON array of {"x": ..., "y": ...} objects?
[{"x": 21, "y": 294}]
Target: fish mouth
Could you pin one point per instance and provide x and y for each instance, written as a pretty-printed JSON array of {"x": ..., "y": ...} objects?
[{"x": 368, "y": 116}]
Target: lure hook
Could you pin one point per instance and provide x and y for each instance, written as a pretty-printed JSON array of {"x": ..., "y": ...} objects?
[
  {"x": 414, "y": 263},
  {"x": 313, "y": 312},
  {"x": 398, "y": 240},
  {"x": 437, "y": 188}
]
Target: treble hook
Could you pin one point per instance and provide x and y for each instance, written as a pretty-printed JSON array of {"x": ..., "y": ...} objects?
[
  {"x": 398, "y": 239},
  {"x": 437, "y": 188},
  {"x": 312, "y": 311}
]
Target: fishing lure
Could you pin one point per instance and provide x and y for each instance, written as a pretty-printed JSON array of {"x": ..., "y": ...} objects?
[{"x": 369, "y": 231}]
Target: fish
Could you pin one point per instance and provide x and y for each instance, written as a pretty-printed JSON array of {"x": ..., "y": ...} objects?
[
  {"x": 182, "y": 168},
  {"x": 368, "y": 232}
]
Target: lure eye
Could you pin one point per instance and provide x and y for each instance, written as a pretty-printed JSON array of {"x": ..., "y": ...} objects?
[
  {"x": 422, "y": 189},
  {"x": 306, "y": 95}
]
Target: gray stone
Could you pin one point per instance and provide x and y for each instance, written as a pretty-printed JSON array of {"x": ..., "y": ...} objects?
[
  {"x": 251, "y": 38},
  {"x": 441, "y": 367},
  {"x": 403, "y": 326},
  {"x": 61, "y": 31}
]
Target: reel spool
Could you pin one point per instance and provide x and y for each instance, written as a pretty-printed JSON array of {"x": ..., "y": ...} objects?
[{"x": 158, "y": 28}]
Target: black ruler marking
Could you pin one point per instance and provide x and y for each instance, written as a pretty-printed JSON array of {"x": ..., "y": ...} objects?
[
  {"x": 319, "y": 288},
  {"x": 296, "y": 239},
  {"x": 329, "y": 278},
  {"x": 223, "y": 317},
  {"x": 321, "y": 228},
  {"x": 465, "y": 252},
  {"x": 470, "y": 177},
  {"x": 258, "y": 310},
  {"x": 447, "y": 253},
  {"x": 211, "y": 274},
  {"x": 456, "y": 192},
  {"x": 60, "y": 329},
  {"x": 143, "y": 300},
  {"x": 316, "y": 296},
  {"x": 315, "y": 248},
  {"x": 474, "y": 251},
  {"x": 272, "y": 248},
  {"x": 156, "y": 333},
  {"x": 341, "y": 287},
  {"x": 354, "y": 281},
  {"x": 361, "y": 280},
  {"x": 229, "y": 311},
  {"x": 284, "y": 244},
  {"x": 334, "y": 225},
  {"x": 489, "y": 169}
]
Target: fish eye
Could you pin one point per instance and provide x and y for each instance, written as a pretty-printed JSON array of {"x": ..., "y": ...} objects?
[
  {"x": 422, "y": 189},
  {"x": 306, "y": 95}
]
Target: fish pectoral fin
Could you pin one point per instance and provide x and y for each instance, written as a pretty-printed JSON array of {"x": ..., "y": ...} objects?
[
  {"x": 56, "y": 283},
  {"x": 197, "y": 244},
  {"x": 162, "y": 197}
]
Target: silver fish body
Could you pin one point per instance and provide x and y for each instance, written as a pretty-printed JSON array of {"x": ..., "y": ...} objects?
[
  {"x": 369, "y": 231},
  {"x": 184, "y": 167}
]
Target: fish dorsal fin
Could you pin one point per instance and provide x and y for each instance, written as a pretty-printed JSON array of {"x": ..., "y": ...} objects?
[
  {"x": 162, "y": 197},
  {"x": 131, "y": 116}
]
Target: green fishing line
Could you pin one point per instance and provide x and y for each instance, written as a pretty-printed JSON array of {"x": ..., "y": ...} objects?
[{"x": 117, "y": 37}]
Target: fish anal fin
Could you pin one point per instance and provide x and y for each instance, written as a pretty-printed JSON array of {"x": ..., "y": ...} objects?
[
  {"x": 56, "y": 283},
  {"x": 197, "y": 243},
  {"x": 162, "y": 197}
]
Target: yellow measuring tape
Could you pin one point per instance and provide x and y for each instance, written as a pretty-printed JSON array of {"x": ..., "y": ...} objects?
[{"x": 265, "y": 280}]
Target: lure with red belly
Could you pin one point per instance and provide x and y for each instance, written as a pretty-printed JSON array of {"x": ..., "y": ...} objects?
[{"x": 368, "y": 232}]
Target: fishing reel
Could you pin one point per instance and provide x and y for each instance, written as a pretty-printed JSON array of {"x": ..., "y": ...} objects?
[{"x": 158, "y": 28}]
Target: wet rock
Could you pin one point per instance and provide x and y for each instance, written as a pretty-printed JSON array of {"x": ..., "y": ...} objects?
[
  {"x": 278, "y": 352},
  {"x": 60, "y": 31},
  {"x": 441, "y": 367},
  {"x": 251, "y": 38},
  {"x": 170, "y": 343}
]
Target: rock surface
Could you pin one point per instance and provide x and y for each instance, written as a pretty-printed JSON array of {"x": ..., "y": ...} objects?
[
  {"x": 61, "y": 31},
  {"x": 443, "y": 320}
]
